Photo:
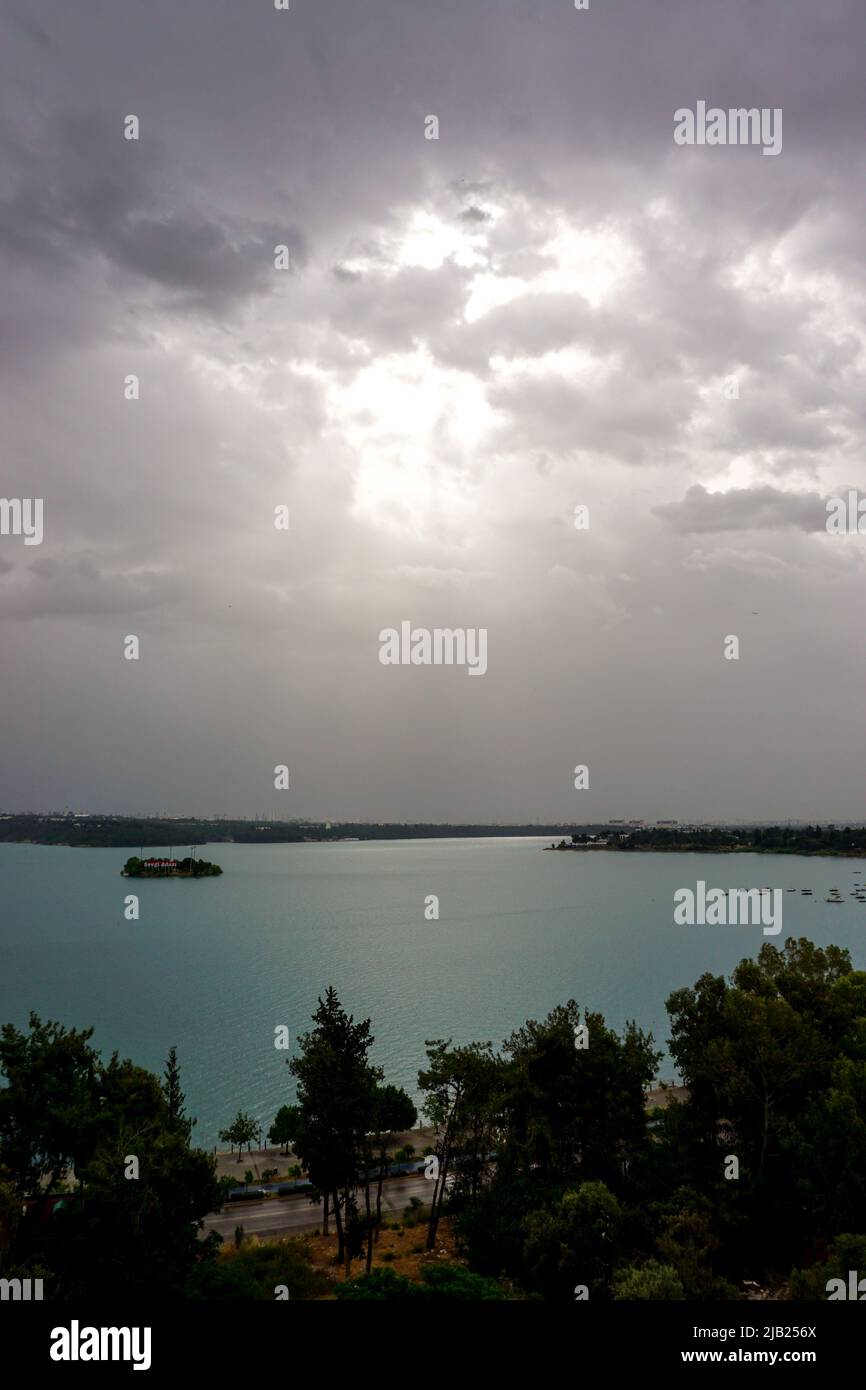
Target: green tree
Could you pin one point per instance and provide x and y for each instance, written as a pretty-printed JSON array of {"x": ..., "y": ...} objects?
[
  {"x": 285, "y": 1126},
  {"x": 687, "y": 1244},
  {"x": 772, "y": 1061},
  {"x": 130, "y": 1220},
  {"x": 242, "y": 1130},
  {"x": 576, "y": 1242},
  {"x": 336, "y": 1089},
  {"x": 572, "y": 1110},
  {"x": 174, "y": 1096},
  {"x": 393, "y": 1111},
  {"x": 459, "y": 1084},
  {"x": 828, "y": 1149},
  {"x": 48, "y": 1109}
]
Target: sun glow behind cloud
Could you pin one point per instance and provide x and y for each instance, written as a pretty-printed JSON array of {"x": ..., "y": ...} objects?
[
  {"x": 413, "y": 427},
  {"x": 429, "y": 241},
  {"x": 592, "y": 262}
]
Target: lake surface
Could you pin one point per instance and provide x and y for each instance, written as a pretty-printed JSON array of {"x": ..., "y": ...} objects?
[{"x": 214, "y": 965}]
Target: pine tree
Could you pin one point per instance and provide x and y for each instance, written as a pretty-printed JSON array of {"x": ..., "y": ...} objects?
[
  {"x": 174, "y": 1097},
  {"x": 336, "y": 1087}
]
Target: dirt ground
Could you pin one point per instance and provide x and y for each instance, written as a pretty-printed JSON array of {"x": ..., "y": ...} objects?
[{"x": 401, "y": 1249}]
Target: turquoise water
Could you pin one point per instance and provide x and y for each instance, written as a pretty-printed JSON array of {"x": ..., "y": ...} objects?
[{"x": 214, "y": 966}]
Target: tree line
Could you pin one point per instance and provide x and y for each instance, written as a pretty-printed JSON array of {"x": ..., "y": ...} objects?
[
  {"x": 554, "y": 1177},
  {"x": 777, "y": 839},
  {"x": 558, "y": 1178}
]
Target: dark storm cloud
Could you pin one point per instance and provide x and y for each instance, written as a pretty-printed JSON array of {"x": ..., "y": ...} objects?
[
  {"x": 201, "y": 258},
  {"x": 95, "y": 200},
  {"x": 540, "y": 309}
]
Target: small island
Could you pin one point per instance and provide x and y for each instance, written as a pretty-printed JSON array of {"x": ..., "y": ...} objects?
[{"x": 169, "y": 868}]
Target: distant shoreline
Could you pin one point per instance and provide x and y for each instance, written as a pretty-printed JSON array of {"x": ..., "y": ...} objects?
[
  {"x": 807, "y": 841},
  {"x": 121, "y": 832},
  {"x": 714, "y": 849},
  {"x": 131, "y": 833}
]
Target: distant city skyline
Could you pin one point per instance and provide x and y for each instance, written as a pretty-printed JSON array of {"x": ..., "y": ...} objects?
[{"x": 329, "y": 821}]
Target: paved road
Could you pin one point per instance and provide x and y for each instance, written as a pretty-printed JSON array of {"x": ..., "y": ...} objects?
[
  {"x": 283, "y": 1216},
  {"x": 278, "y": 1216}
]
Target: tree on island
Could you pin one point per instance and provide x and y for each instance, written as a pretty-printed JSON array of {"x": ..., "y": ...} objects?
[
  {"x": 242, "y": 1130},
  {"x": 180, "y": 868}
]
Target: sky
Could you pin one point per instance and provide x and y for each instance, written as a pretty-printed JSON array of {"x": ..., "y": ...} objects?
[{"x": 553, "y": 305}]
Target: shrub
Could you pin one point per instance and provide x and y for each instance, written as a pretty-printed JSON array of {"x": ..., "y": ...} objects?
[
  {"x": 575, "y": 1242},
  {"x": 652, "y": 1282},
  {"x": 381, "y": 1285},
  {"x": 458, "y": 1284},
  {"x": 416, "y": 1214},
  {"x": 438, "y": 1282},
  {"x": 252, "y": 1272},
  {"x": 847, "y": 1252}
]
